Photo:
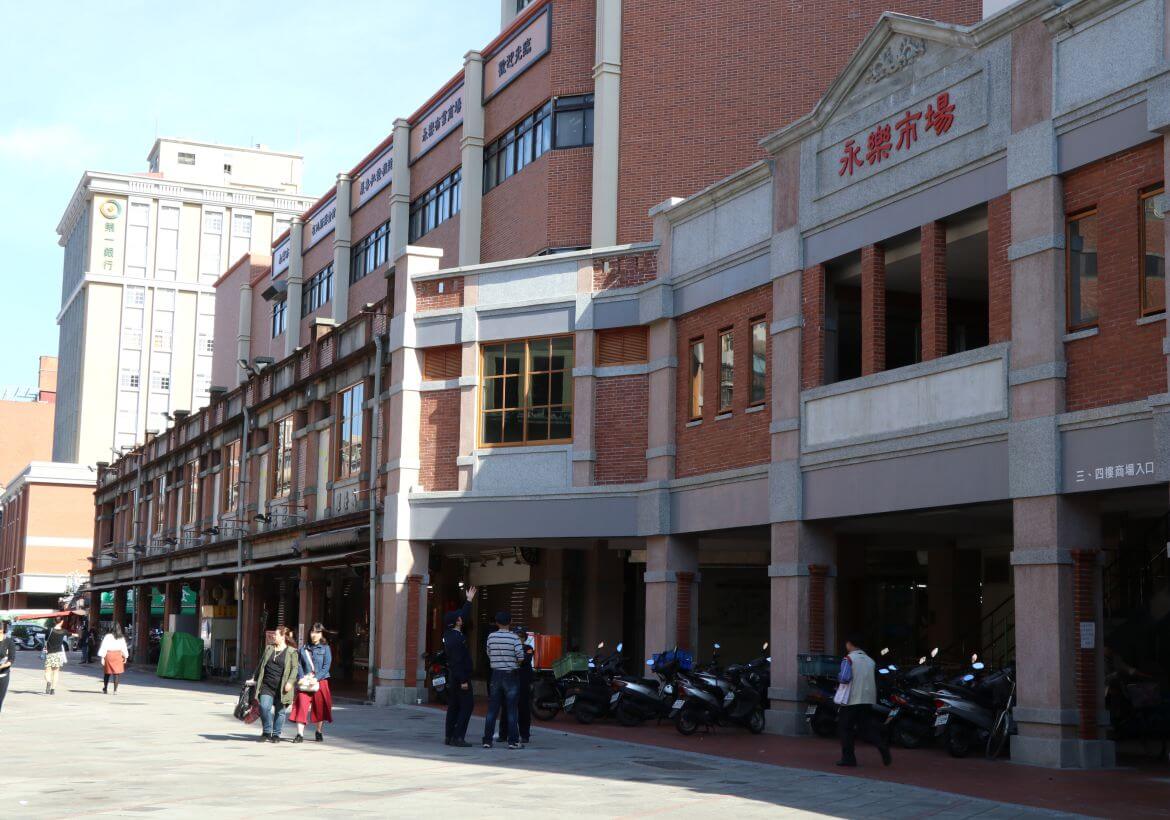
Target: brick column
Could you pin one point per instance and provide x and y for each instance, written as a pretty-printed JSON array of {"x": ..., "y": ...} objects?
[
  {"x": 413, "y": 606},
  {"x": 873, "y": 309},
  {"x": 934, "y": 290},
  {"x": 118, "y": 615},
  {"x": 141, "y": 651},
  {"x": 672, "y": 563},
  {"x": 682, "y": 625},
  {"x": 812, "y": 354},
  {"x": 249, "y": 610},
  {"x": 816, "y": 607},
  {"x": 999, "y": 269}
]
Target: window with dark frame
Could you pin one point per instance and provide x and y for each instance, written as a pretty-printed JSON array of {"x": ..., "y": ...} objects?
[
  {"x": 186, "y": 159},
  {"x": 573, "y": 121},
  {"x": 192, "y": 512},
  {"x": 231, "y": 485},
  {"x": 1081, "y": 270},
  {"x": 282, "y": 459},
  {"x": 349, "y": 439},
  {"x": 437, "y": 205},
  {"x": 527, "y": 392},
  {"x": 517, "y": 147},
  {"x": 1152, "y": 273},
  {"x": 370, "y": 253},
  {"x": 160, "y": 505},
  {"x": 318, "y": 290},
  {"x": 759, "y": 362},
  {"x": 279, "y": 317},
  {"x": 726, "y": 370},
  {"x": 696, "y": 379}
]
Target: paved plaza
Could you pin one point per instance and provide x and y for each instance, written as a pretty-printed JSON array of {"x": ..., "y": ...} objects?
[{"x": 173, "y": 749}]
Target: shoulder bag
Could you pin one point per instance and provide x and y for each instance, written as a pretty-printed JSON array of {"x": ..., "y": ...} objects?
[
  {"x": 309, "y": 683},
  {"x": 841, "y": 698}
]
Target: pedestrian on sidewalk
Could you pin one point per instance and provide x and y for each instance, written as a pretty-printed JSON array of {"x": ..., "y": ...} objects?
[
  {"x": 505, "y": 654},
  {"x": 857, "y": 715},
  {"x": 88, "y": 644},
  {"x": 113, "y": 653},
  {"x": 55, "y": 644},
  {"x": 524, "y": 690},
  {"x": 460, "y": 701},
  {"x": 316, "y": 658},
  {"x": 7, "y": 658},
  {"x": 276, "y": 675}
]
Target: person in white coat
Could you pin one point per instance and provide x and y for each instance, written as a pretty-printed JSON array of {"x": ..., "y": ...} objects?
[
  {"x": 857, "y": 716},
  {"x": 113, "y": 654}
]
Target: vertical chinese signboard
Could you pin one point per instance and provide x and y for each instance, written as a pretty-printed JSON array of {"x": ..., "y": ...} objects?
[{"x": 107, "y": 249}]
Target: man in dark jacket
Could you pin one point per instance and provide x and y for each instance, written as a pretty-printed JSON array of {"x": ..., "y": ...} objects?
[{"x": 459, "y": 698}]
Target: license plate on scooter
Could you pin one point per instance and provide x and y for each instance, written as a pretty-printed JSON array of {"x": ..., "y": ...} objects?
[
  {"x": 810, "y": 711},
  {"x": 677, "y": 704},
  {"x": 941, "y": 720},
  {"x": 569, "y": 701},
  {"x": 439, "y": 681}
]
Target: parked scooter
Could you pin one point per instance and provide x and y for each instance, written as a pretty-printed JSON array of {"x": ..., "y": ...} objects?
[
  {"x": 910, "y": 698},
  {"x": 708, "y": 699},
  {"x": 640, "y": 699},
  {"x": 967, "y": 713},
  {"x": 589, "y": 699},
  {"x": 436, "y": 669}
]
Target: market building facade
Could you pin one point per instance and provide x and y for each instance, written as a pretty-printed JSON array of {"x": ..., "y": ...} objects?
[{"x": 904, "y": 371}]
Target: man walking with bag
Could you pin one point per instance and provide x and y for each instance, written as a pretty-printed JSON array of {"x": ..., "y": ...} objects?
[{"x": 857, "y": 694}]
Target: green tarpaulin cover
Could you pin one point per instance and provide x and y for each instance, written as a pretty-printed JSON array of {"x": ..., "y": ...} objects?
[{"x": 181, "y": 656}]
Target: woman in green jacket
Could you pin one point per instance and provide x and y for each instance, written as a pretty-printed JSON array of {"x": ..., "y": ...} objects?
[{"x": 276, "y": 677}]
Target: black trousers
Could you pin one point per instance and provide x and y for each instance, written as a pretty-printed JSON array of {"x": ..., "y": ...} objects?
[
  {"x": 4, "y": 688},
  {"x": 523, "y": 707},
  {"x": 854, "y": 721},
  {"x": 459, "y": 706}
]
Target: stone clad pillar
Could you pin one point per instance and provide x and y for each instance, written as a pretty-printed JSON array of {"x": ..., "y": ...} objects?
[
  {"x": 244, "y": 330},
  {"x": 471, "y": 147},
  {"x": 873, "y": 309},
  {"x": 933, "y": 275},
  {"x": 295, "y": 278},
  {"x": 342, "y": 245},
  {"x": 672, "y": 612},
  {"x": 400, "y": 188},
  {"x": 607, "y": 73}
]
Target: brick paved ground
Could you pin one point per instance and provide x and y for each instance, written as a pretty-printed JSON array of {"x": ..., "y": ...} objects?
[{"x": 172, "y": 749}]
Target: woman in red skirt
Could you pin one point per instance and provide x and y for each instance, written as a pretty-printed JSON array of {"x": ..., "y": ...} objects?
[{"x": 317, "y": 706}]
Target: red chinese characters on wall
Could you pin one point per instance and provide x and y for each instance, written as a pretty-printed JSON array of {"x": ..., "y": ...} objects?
[{"x": 939, "y": 118}]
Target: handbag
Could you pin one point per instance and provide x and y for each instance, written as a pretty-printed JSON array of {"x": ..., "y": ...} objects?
[
  {"x": 841, "y": 697},
  {"x": 309, "y": 683},
  {"x": 244, "y": 704}
]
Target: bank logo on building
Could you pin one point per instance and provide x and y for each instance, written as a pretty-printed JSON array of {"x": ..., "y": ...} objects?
[{"x": 110, "y": 209}]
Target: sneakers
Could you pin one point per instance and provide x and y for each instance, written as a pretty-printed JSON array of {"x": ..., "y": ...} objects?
[
  {"x": 274, "y": 738},
  {"x": 515, "y": 745},
  {"x": 320, "y": 738},
  {"x": 299, "y": 739},
  {"x": 263, "y": 738},
  {"x": 487, "y": 745},
  {"x": 48, "y": 689}
]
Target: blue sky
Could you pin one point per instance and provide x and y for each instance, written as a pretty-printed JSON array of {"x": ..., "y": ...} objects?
[{"x": 90, "y": 85}]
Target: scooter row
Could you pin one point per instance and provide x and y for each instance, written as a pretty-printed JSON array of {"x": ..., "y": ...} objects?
[
  {"x": 925, "y": 704},
  {"x": 692, "y": 697}
]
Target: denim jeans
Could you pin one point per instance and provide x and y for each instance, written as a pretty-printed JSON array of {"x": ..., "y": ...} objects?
[
  {"x": 505, "y": 688},
  {"x": 272, "y": 714}
]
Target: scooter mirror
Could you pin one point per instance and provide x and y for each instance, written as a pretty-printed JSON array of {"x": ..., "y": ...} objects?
[
  {"x": 977, "y": 665},
  {"x": 934, "y": 652},
  {"x": 600, "y": 645},
  {"x": 649, "y": 661},
  {"x": 922, "y": 660},
  {"x": 968, "y": 678},
  {"x": 765, "y": 646},
  {"x": 883, "y": 671},
  {"x": 885, "y": 651},
  {"x": 717, "y": 646},
  {"x": 619, "y": 647},
  {"x": 768, "y": 659},
  {"x": 975, "y": 657}
]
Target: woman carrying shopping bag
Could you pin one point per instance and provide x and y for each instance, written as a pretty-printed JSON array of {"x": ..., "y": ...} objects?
[
  {"x": 276, "y": 676},
  {"x": 313, "y": 697}
]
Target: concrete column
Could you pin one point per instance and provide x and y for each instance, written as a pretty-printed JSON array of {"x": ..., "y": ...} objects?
[
  {"x": 244, "y": 332},
  {"x": 584, "y": 454},
  {"x": 296, "y": 279},
  {"x": 468, "y": 396},
  {"x": 873, "y": 309},
  {"x": 940, "y": 595},
  {"x": 607, "y": 71},
  {"x": 141, "y": 651},
  {"x": 172, "y": 602},
  {"x": 933, "y": 274},
  {"x": 342, "y": 243},
  {"x": 804, "y": 556},
  {"x": 402, "y": 580},
  {"x": 400, "y": 189},
  {"x": 471, "y": 146},
  {"x": 662, "y": 350},
  {"x": 671, "y": 561},
  {"x": 118, "y": 613},
  {"x": 507, "y": 13},
  {"x": 1053, "y": 729},
  {"x": 308, "y": 602}
]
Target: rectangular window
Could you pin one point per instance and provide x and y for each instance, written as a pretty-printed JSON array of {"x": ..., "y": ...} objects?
[
  {"x": 186, "y": 159},
  {"x": 1153, "y": 260},
  {"x": 279, "y": 317},
  {"x": 1081, "y": 267},
  {"x": 759, "y": 361},
  {"x": 135, "y": 296},
  {"x": 517, "y": 147},
  {"x": 211, "y": 246},
  {"x": 192, "y": 513},
  {"x": 318, "y": 290},
  {"x": 282, "y": 458},
  {"x": 726, "y": 370},
  {"x": 159, "y": 505},
  {"x": 349, "y": 439},
  {"x": 436, "y": 206},
  {"x": 162, "y": 341},
  {"x": 166, "y": 263},
  {"x": 574, "y": 121},
  {"x": 241, "y": 241},
  {"x": 696, "y": 359},
  {"x": 371, "y": 253},
  {"x": 137, "y": 239},
  {"x": 160, "y": 382},
  {"x": 128, "y": 379},
  {"x": 231, "y": 477},
  {"x": 527, "y": 394}
]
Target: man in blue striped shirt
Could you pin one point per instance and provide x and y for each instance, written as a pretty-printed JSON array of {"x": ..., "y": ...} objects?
[{"x": 505, "y": 654}]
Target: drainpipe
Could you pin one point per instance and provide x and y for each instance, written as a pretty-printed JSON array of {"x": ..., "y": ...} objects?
[
  {"x": 374, "y": 467},
  {"x": 240, "y": 529}
]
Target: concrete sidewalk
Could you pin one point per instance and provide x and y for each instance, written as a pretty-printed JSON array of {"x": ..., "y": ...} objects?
[{"x": 173, "y": 748}]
